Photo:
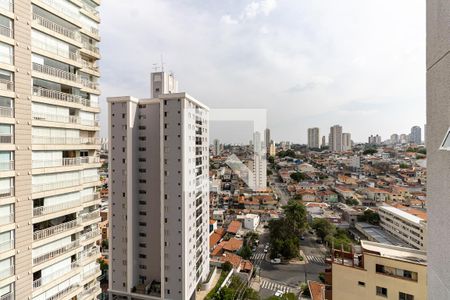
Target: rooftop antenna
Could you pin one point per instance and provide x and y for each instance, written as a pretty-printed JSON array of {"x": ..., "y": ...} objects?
[
  {"x": 155, "y": 67},
  {"x": 162, "y": 63}
]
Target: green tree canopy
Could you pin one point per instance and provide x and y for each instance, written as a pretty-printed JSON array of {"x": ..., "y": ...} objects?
[{"x": 323, "y": 228}]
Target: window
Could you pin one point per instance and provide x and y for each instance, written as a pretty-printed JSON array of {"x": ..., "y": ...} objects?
[
  {"x": 142, "y": 256},
  {"x": 381, "y": 291},
  {"x": 361, "y": 283},
  {"x": 405, "y": 296}
]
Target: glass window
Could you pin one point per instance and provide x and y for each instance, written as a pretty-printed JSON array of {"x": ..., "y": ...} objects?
[
  {"x": 6, "y": 53},
  {"x": 405, "y": 296},
  {"x": 381, "y": 291}
]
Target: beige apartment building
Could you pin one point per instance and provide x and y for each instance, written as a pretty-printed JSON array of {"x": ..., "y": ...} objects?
[
  {"x": 49, "y": 149},
  {"x": 379, "y": 271}
]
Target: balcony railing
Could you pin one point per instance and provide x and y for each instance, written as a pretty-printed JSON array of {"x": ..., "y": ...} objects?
[
  {"x": 93, "y": 252},
  {"x": 6, "y": 112},
  {"x": 6, "y": 85},
  {"x": 63, "y": 293},
  {"x": 6, "y": 245},
  {"x": 57, "y": 5},
  {"x": 89, "y": 273},
  {"x": 91, "y": 179},
  {"x": 58, "y": 273},
  {"x": 8, "y": 296},
  {"x": 91, "y": 197},
  {"x": 7, "y": 165},
  {"x": 90, "y": 216},
  {"x": 45, "y": 140},
  {"x": 6, "y": 31},
  {"x": 64, "y": 119},
  {"x": 48, "y": 232},
  {"x": 43, "y": 210},
  {"x": 89, "y": 291},
  {"x": 90, "y": 9},
  {"x": 55, "y": 72},
  {"x": 89, "y": 84},
  {"x": 89, "y": 65},
  {"x": 91, "y": 47},
  {"x": 90, "y": 235},
  {"x": 8, "y": 192},
  {"x": 57, "y": 95},
  {"x": 56, "y": 27},
  {"x": 6, "y": 272},
  {"x": 49, "y": 255},
  {"x": 55, "y": 185},
  {"x": 64, "y": 162},
  {"x": 7, "y": 219},
  {"x": 8, "y": 5}
]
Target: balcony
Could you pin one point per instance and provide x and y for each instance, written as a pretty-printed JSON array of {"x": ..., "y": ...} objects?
[
  {"x": 90, "y": 291},
  {"x": 55, "y": 4},
  {"x": 55, "y": 185},
  {"x": 57, "y": 95},
  {"x": 91, "y": 47},
  {"x": 89, "y": 84},
  {"x": 6, "y": 246},
  {"x": 86, "y": 254},
  {"x": 44, "y": 210},
  {"x": 89, "y": 235},
  {"x": 64, "y": 119},
  {"x": 6, "y": 85},
  {"x": 6, "y": 165},
  {"x": 7, "y": 192},
  {"x": 8, "y": 296},
  {"x": 6, "y": 112},
  {"x": 51, "y": 231},
  {"x": 90, "y": 216},
  {"x": 64, "y": 292},
  {"x": 91, "y": 197},
  {"x": 6, "y": 272},
  {"x": 50, "y": 255},
  {"x": 58, "y": 273},
  {"x": 46, "y": 140},
  {"x": 4, "y": 220},
  {"x": 55, "y": 72},
  {"x": 90, "y": 9},
  {"x": 65, "y": 162},
  {"x": 72, "y": 34},
  {"x": 62, "y": 52},
  {"x": 9, "y": 6},
  {"x": 6, "y": 31},
  {"x": 91, "y": 179},
  {"x": 89, "y": 65},
  {"x": 89, "y": 273}
]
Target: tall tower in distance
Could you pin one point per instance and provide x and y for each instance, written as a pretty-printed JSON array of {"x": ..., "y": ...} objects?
[
  {"x": 313, "y": 138},
  {"x": 346, "y": 142},
  {"x": 438, "y": 148},
  {"x": 416, "y": 135},
  {"x": 49, "y": 203},
  {"x": 336, "y": 138},
  {"x": 159, "y": 195}
]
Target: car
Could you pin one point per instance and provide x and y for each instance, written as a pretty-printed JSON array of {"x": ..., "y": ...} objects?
[
  {"x": 254, "y": 249},
  {"x": 275, "y": 261},
  {"x": 266, "y": 250},
  {"x": 279, "y": 293},
  {"x": 302, "y": 237}
]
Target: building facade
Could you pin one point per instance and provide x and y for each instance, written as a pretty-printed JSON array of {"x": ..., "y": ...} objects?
[
  {"x": 416, "y": 135},
  {"x": 438, "y": 154},
  {"x": 313, "y": 138},
  {"x": 159, "y": 196},
  {"x": 379, "y": 271},
  {"x": 49, "y": 146},
  {"x": 346, "y": 142},
  {"x": 335, "y": 138}
]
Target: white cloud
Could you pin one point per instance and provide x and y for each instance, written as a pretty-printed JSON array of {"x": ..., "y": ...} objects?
[
  {"x": 227, "y": 19},
  {"x": 252, "y": 10}
]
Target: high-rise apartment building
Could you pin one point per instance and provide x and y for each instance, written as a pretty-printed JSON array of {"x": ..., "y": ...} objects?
[
  {"x": 438, "y": 148},
  {"x": 324, "y": 142},
  {"x": 267, "y": 140},
  {"x": 313, "y": 138},
  {"x": 416, "y": 135},
  {"x": 258, "y": 165},
  {"x": 346, "y": 142},
  {"x": 335, "y": 138},
  {"x": 374, "y": 140},
  {"x": 49, "y": 205},
  {"x": 394, "y": 139},
  {"x": 216, "y": 147},
  {"x": 159, "y": 195}
]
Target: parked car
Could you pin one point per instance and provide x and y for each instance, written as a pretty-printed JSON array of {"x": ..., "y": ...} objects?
[
  {"x": 279, "y": 293},
  {"x": 266, "y": 250},
  {"x": 302, "y": 237},
  {"x": 275, "y": 261}
]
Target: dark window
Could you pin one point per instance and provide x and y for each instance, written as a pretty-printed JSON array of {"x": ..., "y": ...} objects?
[
  {"x": 381, "y": 291},
  {"x": 405, "y": 296},
  {"x": 361, "y": 283}
]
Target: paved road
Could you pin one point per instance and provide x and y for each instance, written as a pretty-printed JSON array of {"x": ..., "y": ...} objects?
[{"x": 279, "y": 189}]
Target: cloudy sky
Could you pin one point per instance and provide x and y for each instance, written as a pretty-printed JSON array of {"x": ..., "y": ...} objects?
[{"x": 310, "y": 63}]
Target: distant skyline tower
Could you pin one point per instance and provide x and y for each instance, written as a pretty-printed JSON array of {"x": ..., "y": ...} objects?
[
  {"x": 313, "y": 138},
  {"x": 324, "y": 142},
  {"x": 259, "y": 164},
  {"x": 346, "y": 141},
  {"x": 335, "y": 138},
  {"x": 216, "y": 147},
  {"x": 394, "y": 139},
  {"x": 267, "y": 139},
  {"x": 416, "y": 135}
]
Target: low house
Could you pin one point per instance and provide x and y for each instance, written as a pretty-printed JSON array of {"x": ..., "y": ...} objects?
[
  {"x": 234, "y": 227},
  {"x": 327, "y": 196}
]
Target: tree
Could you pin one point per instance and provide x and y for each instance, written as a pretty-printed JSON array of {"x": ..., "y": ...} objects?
[
  {"x": 251, "y": 294},
  {"x": 245, "y": 252},
  {"x": 323, "y": 228},
  {"x": 298, "y": 176},
  {"x": 403, "y": 166},
  {"x": 370, "y": 151},
  {"x": 370, "y": 216},
  {"x": 269, "y": 172},
  {"x": 296, "y": 217},
  {"x": 351, "y": 201},
  {"x": 227, "y": 266},
  {"x": 271, "y": 159},
  {"x": 422, "y": 151}
]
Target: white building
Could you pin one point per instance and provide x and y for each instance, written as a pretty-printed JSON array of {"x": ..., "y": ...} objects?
[
  {"x": 258, "y": 166},
  {"x": 407, "y": 227},
  {"x": 272, "y": 150},
  {"x": 159, "y": 194},
  {"x": 346, "y": 142},
  {"x": 335, "y": 138},
  {"x": 313, "y": 138},
  {"x": 251, "y": 221}
]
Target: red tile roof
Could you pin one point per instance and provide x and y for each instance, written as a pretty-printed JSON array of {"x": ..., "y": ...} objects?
[
  {"x": 233, "y": 245},
  {"x": 317, "y": 290},
  {"x": 234, "y": 227}
]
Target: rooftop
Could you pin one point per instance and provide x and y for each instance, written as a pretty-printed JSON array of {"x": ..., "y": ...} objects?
[
  {"x": 396, "y": 252},
  {"x": 403, "y": 214}
]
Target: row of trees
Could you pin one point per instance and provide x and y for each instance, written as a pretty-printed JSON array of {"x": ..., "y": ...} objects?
[
  {"x": 329, "y": 233},
  {"x": 286, "y": 231}
]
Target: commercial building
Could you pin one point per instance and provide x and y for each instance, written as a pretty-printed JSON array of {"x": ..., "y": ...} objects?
[
  {"x": 379, "y": 271},
  {"x": 313, "y": 138},
  {"x": 49, "y": 149},
  {"x": 405, "y": 226},
  {"x": 416, "y": 135},
  {"x": 346, "y": 142},
  {"x": 251, "y": 221},
  {"x": 335, "y": 138},
  {"x": 437, "y": 143},
  {"x": 159, "y": 194}
]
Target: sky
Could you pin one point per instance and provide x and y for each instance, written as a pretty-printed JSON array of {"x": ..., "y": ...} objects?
[{"x": 309, "y": 63}]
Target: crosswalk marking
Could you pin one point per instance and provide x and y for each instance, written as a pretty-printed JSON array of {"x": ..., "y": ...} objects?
[
  {"x": 315, "y": 259},
  {"x": 256, "y": 256},
  {"x": 273, "y": 286}
]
